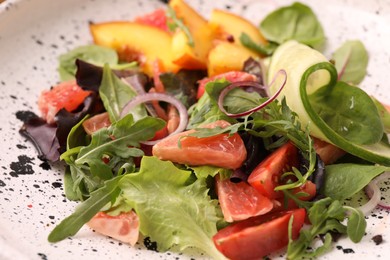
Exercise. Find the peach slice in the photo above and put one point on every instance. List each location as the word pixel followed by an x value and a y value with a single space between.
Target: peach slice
pixel 233 25
pixel 226 56
pixel 202 33
pixel 136 41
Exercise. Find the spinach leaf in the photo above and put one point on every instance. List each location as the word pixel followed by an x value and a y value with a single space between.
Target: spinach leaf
pixel 97 55
pixel 344 180
pixel 351 61
pixel 294 22
pixel 350 112
pixel 384 114
pixel 85 211
pixel 115 94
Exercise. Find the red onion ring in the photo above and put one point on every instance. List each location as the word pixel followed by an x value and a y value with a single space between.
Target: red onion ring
pixel 251 84
pixel 140 99
pixel 373 192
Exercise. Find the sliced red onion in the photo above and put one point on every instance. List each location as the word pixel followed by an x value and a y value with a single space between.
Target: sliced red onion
pixel 135 82
pixel 383 177
pixel 140 99
pixel 373 192
pixel 254 85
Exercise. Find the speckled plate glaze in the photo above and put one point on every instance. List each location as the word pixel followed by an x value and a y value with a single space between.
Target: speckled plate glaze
pixel 32 35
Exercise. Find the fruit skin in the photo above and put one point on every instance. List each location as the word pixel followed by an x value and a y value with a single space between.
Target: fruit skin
pixel 257 237
pixel 67 95
pixel 226 56
pixel 267 175
pixel 202 33
pixel 136 41
pixel 157 18
pixel 240 201
pixel 220 150
pixel 230 24
pixel 124 227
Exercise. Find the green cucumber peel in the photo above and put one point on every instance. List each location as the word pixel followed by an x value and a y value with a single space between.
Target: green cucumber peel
pixel 378 152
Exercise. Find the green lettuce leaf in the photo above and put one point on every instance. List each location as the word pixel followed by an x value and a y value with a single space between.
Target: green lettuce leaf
pixel 171 210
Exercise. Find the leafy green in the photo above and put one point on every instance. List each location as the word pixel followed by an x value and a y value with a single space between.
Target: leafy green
pixel 116 141
pixel 344 180
pixel 378 152
pixel 356 224
pixel 85 211
pixel 205 171
pixel 351 61
pixel 117 144
pixel 115 94
pixel 294 22
pixel 178 23
pixel 265 50
pixel 183 85
pixel 384 114
pixel 207 110
pixel 97 55
pixel 189 216
pixel 349 111
pixel 326 216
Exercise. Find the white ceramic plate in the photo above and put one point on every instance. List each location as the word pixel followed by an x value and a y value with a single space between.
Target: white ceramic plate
pixel 34 32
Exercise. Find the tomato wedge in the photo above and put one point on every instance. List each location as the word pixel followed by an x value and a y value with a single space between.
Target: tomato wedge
pixel 259 236
pixel 220 150
pixel 232 76
pixel 67 95
pixel 93 124
pixel 240 201
pixel 124 227
pixel 267 175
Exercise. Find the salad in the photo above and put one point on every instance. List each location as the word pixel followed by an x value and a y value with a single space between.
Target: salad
pixel 166 135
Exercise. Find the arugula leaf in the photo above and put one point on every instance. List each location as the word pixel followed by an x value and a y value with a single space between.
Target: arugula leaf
pixel 126 133
pixel 294 22
pixel 87 169
pixel 265 50
pixel 85 211
pixel 115 94
pixel 207 110
pixel 351 61
pixel 326 216
pixel 356 224
pixel 344 180
pixel 178 23
pixel 189 217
